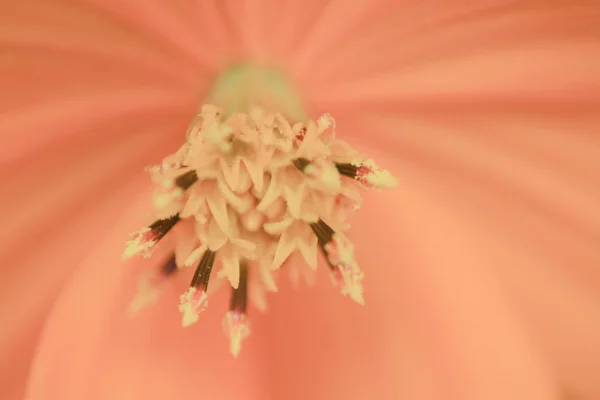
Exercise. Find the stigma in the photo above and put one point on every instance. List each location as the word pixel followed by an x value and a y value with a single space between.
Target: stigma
pixel 244 193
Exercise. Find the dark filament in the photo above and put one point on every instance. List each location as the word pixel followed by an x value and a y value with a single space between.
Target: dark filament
pixel 239 295
pixel 347 169
pixel 324 235
pixel 323 231
pixel 169 267
pixel 202 274
pixel 301 163
pixel 162 226
pixel 186 180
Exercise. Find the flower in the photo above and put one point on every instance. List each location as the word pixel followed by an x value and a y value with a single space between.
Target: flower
pixel 251 187
pixel 481 275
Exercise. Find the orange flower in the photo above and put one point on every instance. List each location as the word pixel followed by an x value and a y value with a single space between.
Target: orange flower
pixel 481 270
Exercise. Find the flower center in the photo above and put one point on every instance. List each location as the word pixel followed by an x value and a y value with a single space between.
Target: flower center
pixel 245 86
pixel 255 182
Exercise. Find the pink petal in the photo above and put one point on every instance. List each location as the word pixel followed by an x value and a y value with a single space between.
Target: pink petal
pixel 438 322
pixel 32 278
pixel 148 357
pixel 86 105
pixel 50 219
pixel 459 53
pixel 67 60
pixel 537 196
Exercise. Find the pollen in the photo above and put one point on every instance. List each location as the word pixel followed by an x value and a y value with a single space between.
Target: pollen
pixel 244 193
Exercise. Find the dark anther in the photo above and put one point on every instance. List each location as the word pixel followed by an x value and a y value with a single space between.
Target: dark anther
pixel 202 274
pixel 301 163
pixel 169 267
pixel 324 235
pixel 323 231
pixel 347 169
pixel 239 296
pixel 186 180
pixel 162 226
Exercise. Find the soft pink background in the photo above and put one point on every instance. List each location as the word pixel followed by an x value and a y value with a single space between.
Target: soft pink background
pixel 483 268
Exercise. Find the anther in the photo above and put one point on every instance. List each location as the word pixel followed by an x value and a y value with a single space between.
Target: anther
pixel 367 173
pixel 143 241
pixel 323 232
pixel 186 180
pixel 169 267
pixel 321 174
pixel 339 254
pixel 236 323
pixel 301 163
pixel 195 299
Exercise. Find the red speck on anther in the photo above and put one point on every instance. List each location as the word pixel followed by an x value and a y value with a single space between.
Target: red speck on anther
pixel 300 135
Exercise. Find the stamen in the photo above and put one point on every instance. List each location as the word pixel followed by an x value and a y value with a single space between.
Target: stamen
pixel 236 323
pixel 239 296
pixel 299 132
pixel 301 163
pixel 339 253
pixel 321 174
pixel 148 289
pixel 195 299
pixel 169 267
pixel 144 240
pixel 368 174
pixel 186 180
pixel 323 231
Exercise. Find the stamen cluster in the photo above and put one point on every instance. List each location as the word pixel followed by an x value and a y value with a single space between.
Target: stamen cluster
pixel 245 192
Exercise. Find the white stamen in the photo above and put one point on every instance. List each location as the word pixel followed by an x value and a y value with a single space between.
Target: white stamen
pixel 142 243
pixel 192 303
pixel 374 176
pixel 237 329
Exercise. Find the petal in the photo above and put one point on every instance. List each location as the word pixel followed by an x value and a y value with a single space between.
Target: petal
pixel 257 295
pixel 115 355
pixel 294 194
pixel 255 172
pixel 273 192
pixel 216 238
pixel 231 172
pixel 465 53
pixel 83 65
pixel 31 280
pixel 531 180
pixel 53 215
pixel 285 247
pixel 438 323
pixel 194 203
pixel 277 228
pixel 218 208
pixel 307 244
pixel 231 265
